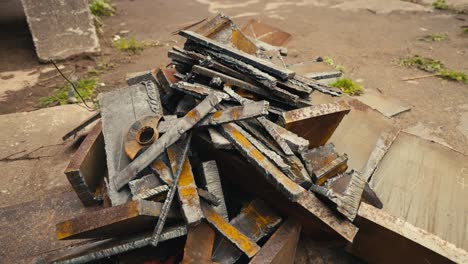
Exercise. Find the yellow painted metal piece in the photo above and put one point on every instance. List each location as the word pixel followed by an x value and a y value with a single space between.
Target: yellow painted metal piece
pixel 245 244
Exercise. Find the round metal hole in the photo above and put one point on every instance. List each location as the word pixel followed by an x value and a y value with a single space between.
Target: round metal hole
pixel 145 135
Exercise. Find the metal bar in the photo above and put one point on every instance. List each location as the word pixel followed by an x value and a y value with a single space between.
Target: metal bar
pixel 86 169
pixel 84 124
pixel 212 181
pixel 254 156
pixel 157 194
pixel 170 195
pixel 112 221
pixel 332 169
pixel 256 220
pixel 166 140
pixel 196 90
pixel 186 186
pixel 263 65
pixel 242 242
pixel 281 247
pixel 218 140
pixel 199 245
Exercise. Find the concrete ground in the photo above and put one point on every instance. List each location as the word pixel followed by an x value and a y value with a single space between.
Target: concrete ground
pixel 367 37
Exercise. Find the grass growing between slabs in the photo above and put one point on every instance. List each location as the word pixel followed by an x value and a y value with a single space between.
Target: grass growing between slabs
pixel 85 87
pixel 348 86
pixel 436 67
pixel 101 8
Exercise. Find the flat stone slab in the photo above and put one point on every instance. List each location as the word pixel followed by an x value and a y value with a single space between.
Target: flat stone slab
pixel 61 29
pixel 33 156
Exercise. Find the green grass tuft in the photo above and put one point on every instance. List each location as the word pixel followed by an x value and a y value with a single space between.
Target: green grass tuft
pixel 133 45
pixel 465 31
pixel 441 5
pixel 85 87
pixel 328 61
pixel 434 66
pixel 348 86
pixel 433 38
pixel 101 8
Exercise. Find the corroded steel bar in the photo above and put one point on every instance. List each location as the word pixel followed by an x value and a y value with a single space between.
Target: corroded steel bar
pixel 242 242
pixel 318 86
pixel 235 113
pixel 253 155
pixel 295 142
pixel 256 220
pixel 278 94
pixel 332 169
pixel 296 87
pixel 143 184
pixel 196 90
pixel 183 144
pixel 218 140
pixel 157 194
pixel 112 221
pixel 186 187
pixel 199 245
pixel 167 139
pixel 208 197
pixel 212 181
pixel 163 171
pixel 323 75
pixel 263 65
pixel 110 247
pixel 272 129
pixel 281 247
pixel 84 124
pixel 86 169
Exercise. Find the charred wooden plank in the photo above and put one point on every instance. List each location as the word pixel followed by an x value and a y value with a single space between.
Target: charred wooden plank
pixel 167 139
pixel 199 245
pixel 315 123
pixel 256 220
pixel 212 181
pixel 81 126
pixel 263 65
pixel 281 247
pixel 272 173
pixel 110 247
pixel 123 219
pixel 86 169
pixel 242 242
pixel 186 186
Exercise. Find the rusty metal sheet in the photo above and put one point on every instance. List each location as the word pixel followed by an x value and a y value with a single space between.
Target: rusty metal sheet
pixel 272 173
pixel 127 218
pixel 256 220
pixel 380 231
pixel 186 187
pixel 332 169
pixel 199 244
pixel 266 33
pixel 319 157
pixel 212 181
pixel 87 166
pixel 315 123
pixel 281 247
pixel 242 242
pixel 169 138
pixel 97 250
pixel 263 65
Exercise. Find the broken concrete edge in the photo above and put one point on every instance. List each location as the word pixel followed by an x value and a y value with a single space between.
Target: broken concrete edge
pixel 413 233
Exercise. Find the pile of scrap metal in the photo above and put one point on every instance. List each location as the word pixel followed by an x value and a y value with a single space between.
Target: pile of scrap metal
pixel 220 153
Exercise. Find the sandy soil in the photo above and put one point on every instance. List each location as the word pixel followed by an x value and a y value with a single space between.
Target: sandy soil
pixel 366 37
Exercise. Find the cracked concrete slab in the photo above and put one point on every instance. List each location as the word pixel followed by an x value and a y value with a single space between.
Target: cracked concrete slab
pixel 61 29
pixel 32 154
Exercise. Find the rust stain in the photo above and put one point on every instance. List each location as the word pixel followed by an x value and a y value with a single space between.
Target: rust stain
pixel 193 115
pixel 217 114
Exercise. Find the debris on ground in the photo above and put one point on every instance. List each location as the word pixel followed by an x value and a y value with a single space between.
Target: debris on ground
pixel 222 153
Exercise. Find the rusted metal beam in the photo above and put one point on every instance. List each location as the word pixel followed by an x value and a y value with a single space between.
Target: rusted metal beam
pixel 157 194
pixel 81 126
pixel 218 140
pixel 110 247
pixel 256 220
pixel 144 184
pixel 167 139
pixel 162 170
pixel 196 90
pixel 315 123
pixel 235 113
pixel 123 219
pixel 242 242
pixel 282 245
pixel 86 169
pixel 208 197
pixel 317 86
pixel 332 169
pixel 319 157
pixel 272 173
pixel 186 187
pixel 199 244
pixel 212 181
pixel 263 65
